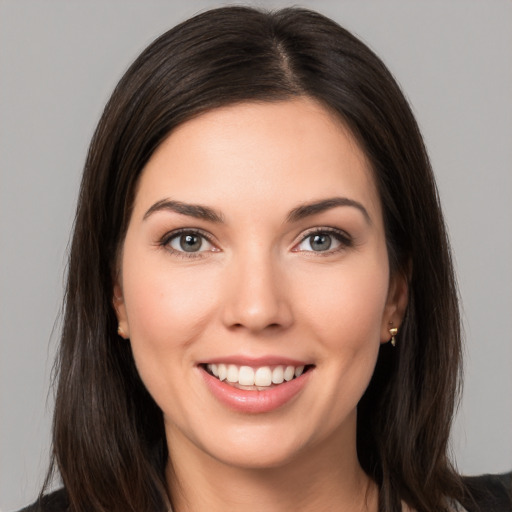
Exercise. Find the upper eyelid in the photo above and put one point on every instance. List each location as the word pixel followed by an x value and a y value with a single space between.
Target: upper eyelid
pixel 196 231
pixel 324 229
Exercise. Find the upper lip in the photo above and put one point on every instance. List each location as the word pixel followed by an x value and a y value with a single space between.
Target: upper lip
pixel 270 360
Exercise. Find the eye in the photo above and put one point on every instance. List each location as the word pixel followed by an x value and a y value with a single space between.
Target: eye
pixel 188 243
pixel 324 241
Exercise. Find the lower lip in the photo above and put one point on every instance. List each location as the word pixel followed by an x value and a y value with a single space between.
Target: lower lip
pixel 254 401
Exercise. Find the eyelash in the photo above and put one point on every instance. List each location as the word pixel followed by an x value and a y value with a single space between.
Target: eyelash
pixel 342 237
pixel 168 237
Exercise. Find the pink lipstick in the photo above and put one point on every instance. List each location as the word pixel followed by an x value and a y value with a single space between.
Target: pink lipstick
pixel 253 387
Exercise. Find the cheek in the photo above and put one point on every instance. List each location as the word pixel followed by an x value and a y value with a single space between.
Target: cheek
pixel 345 306
pixel 341 311
pixel 167 309
pixel 167 304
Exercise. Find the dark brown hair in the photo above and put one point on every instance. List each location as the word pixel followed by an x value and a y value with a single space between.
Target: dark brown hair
pixel 109 441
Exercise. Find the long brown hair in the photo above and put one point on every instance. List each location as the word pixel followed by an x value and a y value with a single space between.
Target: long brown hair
pixel 108 436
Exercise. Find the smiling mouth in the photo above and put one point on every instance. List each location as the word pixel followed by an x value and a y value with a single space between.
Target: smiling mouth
pixel 259 378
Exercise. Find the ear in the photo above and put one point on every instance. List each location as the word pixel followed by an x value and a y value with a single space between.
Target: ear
pixel 120 309
pixel 396 304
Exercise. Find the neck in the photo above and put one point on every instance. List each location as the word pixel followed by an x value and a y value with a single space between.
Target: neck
pixel 321 479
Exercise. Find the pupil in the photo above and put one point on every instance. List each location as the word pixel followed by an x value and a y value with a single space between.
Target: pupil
pixel 321 242
pixel 190 243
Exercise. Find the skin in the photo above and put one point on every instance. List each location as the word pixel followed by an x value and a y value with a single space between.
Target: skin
pixel 258 289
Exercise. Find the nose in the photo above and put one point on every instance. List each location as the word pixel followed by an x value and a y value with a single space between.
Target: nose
pixel 257 298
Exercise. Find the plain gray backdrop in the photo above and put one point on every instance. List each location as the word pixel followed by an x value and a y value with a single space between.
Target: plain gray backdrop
pixel 59 60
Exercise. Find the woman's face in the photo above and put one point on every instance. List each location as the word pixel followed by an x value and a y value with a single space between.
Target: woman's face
pixel 256 251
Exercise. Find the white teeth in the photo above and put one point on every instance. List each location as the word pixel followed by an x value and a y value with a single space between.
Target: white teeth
pixel 278 375
pixel 233 372
pixel 263 376
pixel 246 376
pixel 298 371
pixel 222 372
pixel 289 373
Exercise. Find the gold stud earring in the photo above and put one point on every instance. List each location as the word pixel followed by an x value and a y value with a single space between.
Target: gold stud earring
pixel 393 331
pixel 120 331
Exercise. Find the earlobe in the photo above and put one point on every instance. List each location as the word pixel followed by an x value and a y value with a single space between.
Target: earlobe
pixel 396 305
pixel 120 309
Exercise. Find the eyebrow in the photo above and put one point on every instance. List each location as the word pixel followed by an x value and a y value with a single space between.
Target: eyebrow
pixel 300 212
pixel 192 210
pixel 308 209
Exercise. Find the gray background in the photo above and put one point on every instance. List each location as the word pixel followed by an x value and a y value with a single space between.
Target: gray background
pixel 59 61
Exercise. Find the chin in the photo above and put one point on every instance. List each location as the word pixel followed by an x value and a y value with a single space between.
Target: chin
pixel 243 445
pixel 262 446
pixel 252 456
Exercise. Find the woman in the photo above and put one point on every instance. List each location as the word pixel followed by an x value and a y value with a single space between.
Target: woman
pixel 261 310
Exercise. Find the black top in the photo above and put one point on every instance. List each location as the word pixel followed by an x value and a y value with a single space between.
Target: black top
pixel 489 493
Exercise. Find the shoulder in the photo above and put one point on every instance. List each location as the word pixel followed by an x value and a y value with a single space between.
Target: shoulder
pixel 489 493
pixel 56 501
pixel 486 493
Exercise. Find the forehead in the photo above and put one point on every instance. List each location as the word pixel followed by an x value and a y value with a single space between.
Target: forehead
pixel 259 156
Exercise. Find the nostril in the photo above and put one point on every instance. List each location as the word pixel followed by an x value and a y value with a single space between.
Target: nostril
pixel 273 326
